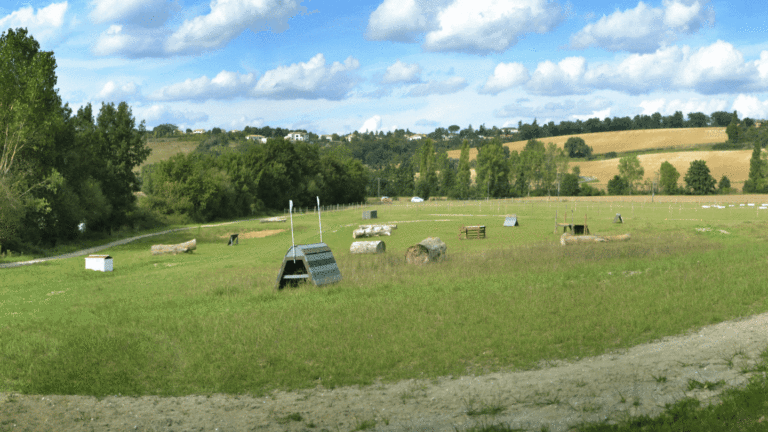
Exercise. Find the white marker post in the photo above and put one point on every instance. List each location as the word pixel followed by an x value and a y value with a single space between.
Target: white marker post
pixel 319 220
pixel 293 245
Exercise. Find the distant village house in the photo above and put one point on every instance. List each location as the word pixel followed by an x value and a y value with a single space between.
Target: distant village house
pixel 260 138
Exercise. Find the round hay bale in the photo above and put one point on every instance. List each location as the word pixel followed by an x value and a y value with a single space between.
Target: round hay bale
pixel 428 250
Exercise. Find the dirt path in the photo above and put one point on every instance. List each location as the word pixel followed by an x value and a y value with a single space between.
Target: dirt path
pixel 637 381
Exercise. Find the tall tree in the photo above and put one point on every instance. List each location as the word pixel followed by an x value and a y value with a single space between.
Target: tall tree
pixel 492 170
pixel 427 185
pixel 577 148
pixel 631 171
pixel 698 180
pixel 668 178
pixel 733 129
pixel 697 119
pixel 463 178
pixel 756 181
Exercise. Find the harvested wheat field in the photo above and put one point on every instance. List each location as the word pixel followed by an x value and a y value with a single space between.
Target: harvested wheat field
pixel 731 163
pixel 624 141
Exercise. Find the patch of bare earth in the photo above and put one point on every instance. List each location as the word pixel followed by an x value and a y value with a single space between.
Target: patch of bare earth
pixel 255 234
pixel 561 394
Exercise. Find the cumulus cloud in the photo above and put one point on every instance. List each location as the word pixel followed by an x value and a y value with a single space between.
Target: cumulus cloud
pixel 45 24
pixel 599 114
pixel 472 26
pixel 505 76
pixel 373 124
pixel 113 91
pixel 159 114
pixel 145 13
pixel 713 69
pixel 668 107
pixel 448 86
pixel 565 77
pixel 310 80
pixel 130 42
pixel 137 34
pixel 750 106
pixel 225 85
pixel 229 18
pixel 644 29
pixel 400 72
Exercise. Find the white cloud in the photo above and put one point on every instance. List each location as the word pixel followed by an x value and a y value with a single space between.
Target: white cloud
pixel 485 26
pixel 44 25
pixel 134 42
pixel 145 13
pixel 644 29
pixel 448 86
pixel 599 114
pixel 373 124
pixel 229 18
pixel 565 77
pixel 505 76
pixel 159 114
pixel 401 72
pixel 664 107
pixel 713 69
pixel 225 85
pixel 310 80
pixel 116 92
pixel 750 106
pixel 397 20
pixel 561 108
pixel 473 26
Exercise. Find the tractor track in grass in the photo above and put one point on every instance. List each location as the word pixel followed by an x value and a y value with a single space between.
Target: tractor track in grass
pixel 559 395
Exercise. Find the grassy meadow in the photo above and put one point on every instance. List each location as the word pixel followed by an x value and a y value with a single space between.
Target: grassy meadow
pixel 164 148
pixel 212 321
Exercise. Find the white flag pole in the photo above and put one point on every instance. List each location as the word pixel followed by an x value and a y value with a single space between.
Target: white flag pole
pixel 320 221
pixel 293 244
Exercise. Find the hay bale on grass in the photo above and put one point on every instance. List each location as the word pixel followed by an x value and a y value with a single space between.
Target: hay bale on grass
pixel 175 249
pixel 428 250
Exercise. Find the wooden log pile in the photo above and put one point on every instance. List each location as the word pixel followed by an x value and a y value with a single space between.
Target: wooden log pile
pixel 567 238
pixel 373 231
pixel 274 219
pixel 428 250
pixel 368 247
pixel 175 249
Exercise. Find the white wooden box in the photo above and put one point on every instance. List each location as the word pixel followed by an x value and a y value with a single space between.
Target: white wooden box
pixel 99 263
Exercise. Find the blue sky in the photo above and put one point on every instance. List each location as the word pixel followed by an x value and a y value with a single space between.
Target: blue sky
pixel 340 66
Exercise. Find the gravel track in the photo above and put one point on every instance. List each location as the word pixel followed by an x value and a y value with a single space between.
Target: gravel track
pixel 559 395
pixel 110 245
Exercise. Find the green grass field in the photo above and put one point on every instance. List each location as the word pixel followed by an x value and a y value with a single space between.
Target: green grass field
pixel 212 322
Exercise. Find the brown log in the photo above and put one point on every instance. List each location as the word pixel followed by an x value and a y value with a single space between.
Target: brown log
pixel 372 231
pixel 368 247
pixel 175 249
pixel 428 250
pixel 567 238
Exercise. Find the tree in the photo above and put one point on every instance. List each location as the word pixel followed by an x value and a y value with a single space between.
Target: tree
pixel 733 129
pixel 463 178
pixel 569 185
pixel 492 170
pixel 454 128
pixel 721 118
pixel 120 148
pixel 757 171
pixel 577 148
pixel 427 185
pixel 163 130
pixel 618 186
pixel 724 187
pixel 631 171
pixel 698 180
pixel 668 178
pixel 697 119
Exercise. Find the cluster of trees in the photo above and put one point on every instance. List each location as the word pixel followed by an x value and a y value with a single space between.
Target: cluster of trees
pixel 653 121
pixel 58 169
pixel 698 180
pixel 251 178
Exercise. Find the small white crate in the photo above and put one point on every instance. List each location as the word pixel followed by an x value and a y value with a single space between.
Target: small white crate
pixel 101 263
